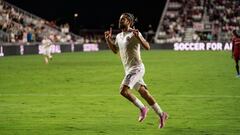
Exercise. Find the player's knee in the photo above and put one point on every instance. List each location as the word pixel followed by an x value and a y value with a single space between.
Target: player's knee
pixel 124 91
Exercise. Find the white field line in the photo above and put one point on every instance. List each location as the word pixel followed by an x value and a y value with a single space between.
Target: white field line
pixel 102 95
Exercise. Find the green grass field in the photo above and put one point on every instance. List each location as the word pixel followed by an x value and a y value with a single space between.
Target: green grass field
pixel 78 94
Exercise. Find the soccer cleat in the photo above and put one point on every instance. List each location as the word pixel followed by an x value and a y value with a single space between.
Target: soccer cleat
pixel 238 76
pixel 163 119
pixel 143 114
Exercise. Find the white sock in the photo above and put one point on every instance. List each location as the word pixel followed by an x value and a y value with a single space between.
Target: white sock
pixel 138 103
pixel 157 109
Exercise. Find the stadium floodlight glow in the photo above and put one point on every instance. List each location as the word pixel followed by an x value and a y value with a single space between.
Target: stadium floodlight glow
pixel 76 15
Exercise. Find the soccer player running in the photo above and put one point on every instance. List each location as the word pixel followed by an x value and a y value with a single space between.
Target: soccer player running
pixel 128 43
pixel 236 50
pixel 46 45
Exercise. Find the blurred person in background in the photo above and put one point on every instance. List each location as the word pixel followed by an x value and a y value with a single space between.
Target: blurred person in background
pixel 236 50
pixel 46 45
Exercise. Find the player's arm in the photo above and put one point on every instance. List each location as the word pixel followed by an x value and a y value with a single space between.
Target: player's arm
pixel 232 48
pixel 110 42
pixel 144 43
pixel 141 39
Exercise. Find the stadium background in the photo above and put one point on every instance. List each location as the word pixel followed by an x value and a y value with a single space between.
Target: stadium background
pixel 78 94
pixel 165 23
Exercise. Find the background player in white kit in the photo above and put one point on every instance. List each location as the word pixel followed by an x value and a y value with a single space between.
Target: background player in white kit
pixel 128 43
pixel 46 46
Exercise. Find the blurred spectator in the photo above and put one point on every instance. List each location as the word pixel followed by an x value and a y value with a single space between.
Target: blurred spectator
pixel 23 27
pixel 216 16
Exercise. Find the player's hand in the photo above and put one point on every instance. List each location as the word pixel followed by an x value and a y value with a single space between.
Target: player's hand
pixel 135 32
pixel 108 34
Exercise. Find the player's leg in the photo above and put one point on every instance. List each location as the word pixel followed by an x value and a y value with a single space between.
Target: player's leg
pixel 146 95
pixel 46 59
pixel 49 57
pixel 49 53
pixel 128 82
pixel 237 67
pixel 125 92
pixel 150 99
pixel 45 55
pixel 155 106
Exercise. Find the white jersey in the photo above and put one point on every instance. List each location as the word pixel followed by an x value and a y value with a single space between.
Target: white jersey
pixel 46 43
pixel 129 49
pixel 46 47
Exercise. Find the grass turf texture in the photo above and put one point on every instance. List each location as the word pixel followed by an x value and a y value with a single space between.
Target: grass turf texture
pixel 78 93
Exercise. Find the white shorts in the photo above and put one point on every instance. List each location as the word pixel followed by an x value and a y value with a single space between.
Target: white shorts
pixel 134 77
pixel 47 51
